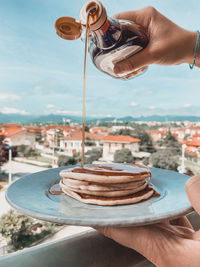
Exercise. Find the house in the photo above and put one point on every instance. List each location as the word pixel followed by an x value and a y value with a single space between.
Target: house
pixel 16 135
pixel 39 132
pixel 72 143
pixel 193 130
pixel 99 130
pixel 54 133
pixel 112 143
pixel 188 132
pixel 158 135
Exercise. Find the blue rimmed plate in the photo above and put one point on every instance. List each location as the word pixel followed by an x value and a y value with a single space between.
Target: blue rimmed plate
pixel 30 195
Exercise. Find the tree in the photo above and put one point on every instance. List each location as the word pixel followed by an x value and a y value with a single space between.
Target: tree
pixel 87 128
pixel 171 143
pixel 89 142
pixel 64 160
pixel 123 155
pixel 164 159
pixel 27 151
pixel 146 143
pixel 92 155
pixel 4 152
pixel 17 229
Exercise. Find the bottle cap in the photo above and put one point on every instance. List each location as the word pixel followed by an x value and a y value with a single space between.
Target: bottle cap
pixel 98 15
pixel 68 28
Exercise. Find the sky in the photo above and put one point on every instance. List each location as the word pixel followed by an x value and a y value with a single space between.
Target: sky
pixel 40 73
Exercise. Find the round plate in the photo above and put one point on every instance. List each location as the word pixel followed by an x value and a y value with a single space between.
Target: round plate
pixel 30 195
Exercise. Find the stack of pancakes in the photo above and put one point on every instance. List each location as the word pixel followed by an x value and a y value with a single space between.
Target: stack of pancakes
pixel 107 184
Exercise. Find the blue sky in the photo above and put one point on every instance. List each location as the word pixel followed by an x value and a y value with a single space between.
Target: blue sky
pixel 41 73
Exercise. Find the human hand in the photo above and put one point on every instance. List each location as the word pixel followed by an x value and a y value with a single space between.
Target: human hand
pixel 164 244
pixel 169 44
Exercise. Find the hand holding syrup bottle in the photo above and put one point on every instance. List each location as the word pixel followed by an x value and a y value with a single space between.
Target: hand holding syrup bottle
pixel 110 40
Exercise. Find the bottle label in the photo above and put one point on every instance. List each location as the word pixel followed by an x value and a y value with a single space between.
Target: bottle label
pixel 106 62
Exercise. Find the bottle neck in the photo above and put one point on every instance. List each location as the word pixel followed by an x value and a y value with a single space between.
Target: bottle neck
pixel 108 34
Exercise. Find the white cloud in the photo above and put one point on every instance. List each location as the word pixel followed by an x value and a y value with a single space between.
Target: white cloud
pixel 10 97
pixel 50 106
pixel 68 112
pixel 8 110
pixel 52 109
pixel 187 105
pixel 109 116
pixel 151 107
pixel 134 104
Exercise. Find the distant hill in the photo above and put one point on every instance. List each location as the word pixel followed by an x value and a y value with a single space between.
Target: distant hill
pixel 17 118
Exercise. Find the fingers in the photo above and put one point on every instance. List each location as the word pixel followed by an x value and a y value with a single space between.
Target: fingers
pixel 141 17
pixel 192 188
pixel 179 231
pixel 182 221
pixel 137 61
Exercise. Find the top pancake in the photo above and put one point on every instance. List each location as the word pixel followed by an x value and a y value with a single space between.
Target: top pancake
pixel 107 173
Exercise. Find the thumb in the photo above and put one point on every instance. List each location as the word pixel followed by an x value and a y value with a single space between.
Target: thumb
pixel 135 62
pixel 192 188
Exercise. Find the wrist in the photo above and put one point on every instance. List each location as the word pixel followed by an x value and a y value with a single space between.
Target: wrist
pixel 190 45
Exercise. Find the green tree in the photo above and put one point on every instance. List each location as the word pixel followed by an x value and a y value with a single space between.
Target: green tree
pixel 89 142
pixel 12 225
pixel 164 159
pixel 146 143
pixel 171 143
pixel 27 151
pixel 123 155
pixel 92 155
pixel 17 229
pixel 4 152
pixel 87 128
pixel 125 131
pixel 66 160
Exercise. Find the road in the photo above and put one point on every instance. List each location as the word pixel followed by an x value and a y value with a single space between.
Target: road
pixel 18 170
pixel 21 169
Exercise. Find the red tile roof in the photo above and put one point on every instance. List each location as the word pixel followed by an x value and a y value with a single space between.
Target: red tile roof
pixel 10 125
pixel 34 128
pixel 194 127
pixel 77 135
pixel 62 127
pixel 11 131
pixel 181 129
pixel 196 135
pixel 121 139
pixel 192 143
pixel 99 129
pixel 95 136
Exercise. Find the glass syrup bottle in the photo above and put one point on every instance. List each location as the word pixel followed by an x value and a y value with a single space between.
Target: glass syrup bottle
pixel 110 41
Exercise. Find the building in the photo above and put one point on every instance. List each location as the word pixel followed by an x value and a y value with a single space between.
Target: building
pixel 112 143
pixel 16 135
pixel 72 143
pixel 158 135
pixel 99 130
pixel 53 133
